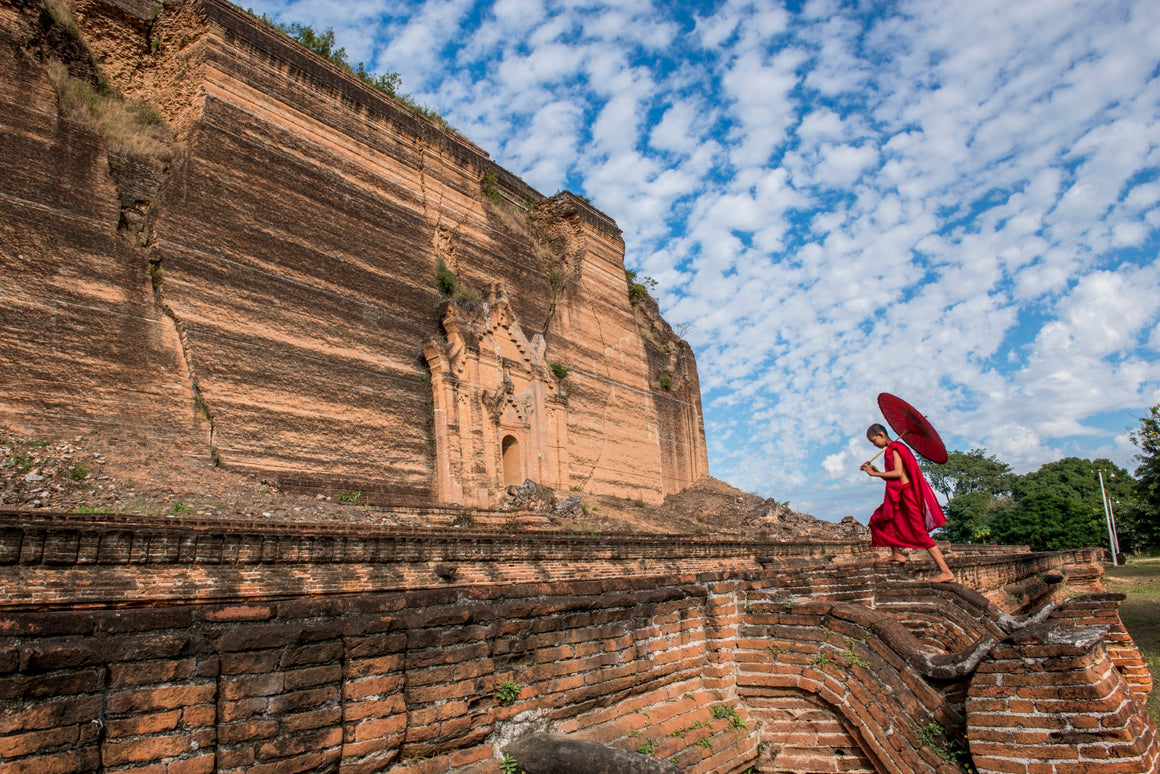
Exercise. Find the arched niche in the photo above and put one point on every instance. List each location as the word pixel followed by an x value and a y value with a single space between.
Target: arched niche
pixel 513 472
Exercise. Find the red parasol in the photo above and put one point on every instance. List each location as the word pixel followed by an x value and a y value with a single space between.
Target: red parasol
pixel 912 427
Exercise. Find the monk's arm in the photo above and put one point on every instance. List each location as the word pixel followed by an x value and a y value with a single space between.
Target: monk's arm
pixel 898 472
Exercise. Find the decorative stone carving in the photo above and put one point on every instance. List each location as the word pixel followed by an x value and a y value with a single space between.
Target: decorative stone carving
pixel 499 418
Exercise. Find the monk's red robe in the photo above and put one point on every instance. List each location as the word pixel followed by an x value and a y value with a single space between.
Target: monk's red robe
pixel 909 512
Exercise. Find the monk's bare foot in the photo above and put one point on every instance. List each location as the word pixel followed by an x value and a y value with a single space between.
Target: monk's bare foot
pixel 943 577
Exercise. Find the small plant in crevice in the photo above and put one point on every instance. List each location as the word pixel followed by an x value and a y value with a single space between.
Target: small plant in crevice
pixel 507 692
pixel 666 381
pixel 509 765
pixel 491 188
pixel 444 279
pixel 851 656
pixel 558 369
pixel 820 660
pixel 349 497
pixel 934 735
pixel 638 290
pixel 723 711
pixel 22 460
pixel 78 472
pixel 647 747
pixel 705 742
pixel 201 406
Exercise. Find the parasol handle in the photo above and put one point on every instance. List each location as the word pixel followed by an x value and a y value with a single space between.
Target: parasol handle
pixel 883 449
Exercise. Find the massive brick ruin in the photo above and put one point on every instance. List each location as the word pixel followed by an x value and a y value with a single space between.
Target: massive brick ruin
pixel 264 289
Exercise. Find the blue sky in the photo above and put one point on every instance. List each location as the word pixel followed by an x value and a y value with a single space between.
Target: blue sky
pixel 955 202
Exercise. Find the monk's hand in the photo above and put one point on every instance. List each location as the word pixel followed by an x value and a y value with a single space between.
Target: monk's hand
pixel 869 469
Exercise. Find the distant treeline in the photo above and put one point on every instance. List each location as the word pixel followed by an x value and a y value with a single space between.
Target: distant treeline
pixel 1062 505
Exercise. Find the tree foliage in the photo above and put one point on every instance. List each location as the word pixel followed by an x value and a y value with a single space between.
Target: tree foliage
pixel 973 483
pixel 321 43
pixel 968 517
pixel 1049 521
pixel 966 472
pixel 1139 519
pixel 1059 506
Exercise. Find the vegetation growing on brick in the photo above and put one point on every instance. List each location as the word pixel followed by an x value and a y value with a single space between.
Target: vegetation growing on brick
pixel 326 46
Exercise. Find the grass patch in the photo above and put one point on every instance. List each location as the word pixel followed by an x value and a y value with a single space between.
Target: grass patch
pixel 22 460
pixel 127 126
pixel 1139 579
pixel 179 509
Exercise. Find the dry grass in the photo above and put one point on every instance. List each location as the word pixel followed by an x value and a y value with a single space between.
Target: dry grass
pixel 62 15
pixel 127 127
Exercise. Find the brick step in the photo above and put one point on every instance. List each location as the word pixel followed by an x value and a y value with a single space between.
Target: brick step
pixel 732 749
pixel 675 729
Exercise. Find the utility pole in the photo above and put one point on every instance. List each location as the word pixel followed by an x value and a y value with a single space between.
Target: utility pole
pixel 1112 542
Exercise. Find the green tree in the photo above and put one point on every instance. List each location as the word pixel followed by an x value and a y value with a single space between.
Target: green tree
pixel 1061 505
pixel 322 43
pixel 1050 521
pixel 1078 478
pixel 973 483
pixel 1139 519
pixel 967 518
pixel 966 472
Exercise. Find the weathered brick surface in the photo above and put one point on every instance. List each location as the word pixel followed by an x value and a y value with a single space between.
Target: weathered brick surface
pixel 1052 695
pixel 280 324
pixel 824 668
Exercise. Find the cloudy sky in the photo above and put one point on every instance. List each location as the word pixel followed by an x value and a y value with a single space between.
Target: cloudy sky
pixel 955 201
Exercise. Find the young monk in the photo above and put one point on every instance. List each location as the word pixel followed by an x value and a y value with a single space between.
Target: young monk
pixel 909 510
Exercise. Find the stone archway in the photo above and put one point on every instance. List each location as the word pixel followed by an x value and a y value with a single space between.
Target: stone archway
pixel 513 471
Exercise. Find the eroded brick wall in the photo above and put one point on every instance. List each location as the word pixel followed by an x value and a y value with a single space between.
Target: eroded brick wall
pixel 1051 699
pixel 343 650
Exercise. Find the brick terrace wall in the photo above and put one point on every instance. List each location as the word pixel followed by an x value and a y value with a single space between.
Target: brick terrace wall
pixel 1051 700
pixel 177 647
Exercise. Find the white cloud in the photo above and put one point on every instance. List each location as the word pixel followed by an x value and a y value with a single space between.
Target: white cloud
pixel 957 204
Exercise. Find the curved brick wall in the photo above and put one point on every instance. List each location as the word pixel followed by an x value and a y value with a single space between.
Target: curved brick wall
pixel 357 649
